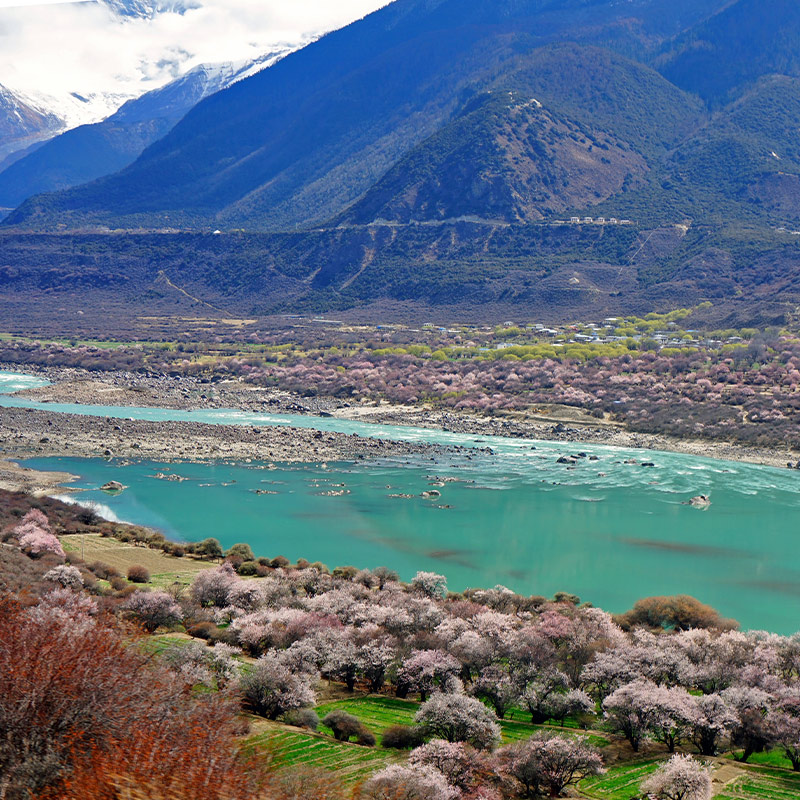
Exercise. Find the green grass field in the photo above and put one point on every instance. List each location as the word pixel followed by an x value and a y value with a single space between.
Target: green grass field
pixel 378 713
pixel 762 784
pixel 351 762
pixel 619 783
pixel 770 758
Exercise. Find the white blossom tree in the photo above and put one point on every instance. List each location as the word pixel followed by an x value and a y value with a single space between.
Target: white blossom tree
pixel 540 689
pixel 424 670
pixel 784 720
pixel 681 778
pixel 635 711
pixel 495 685
pixel 458 762
pixel 270 688
pixel 545 765
pixel 751 731
pixel 212 586
pixel 65 575
pixel 430 584
pixel 153 609
pixel 712 720
pixel 457 718
pixel 400 782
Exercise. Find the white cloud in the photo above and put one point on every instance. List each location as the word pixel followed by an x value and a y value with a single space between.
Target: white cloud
pixel 20 3
pixel 60 47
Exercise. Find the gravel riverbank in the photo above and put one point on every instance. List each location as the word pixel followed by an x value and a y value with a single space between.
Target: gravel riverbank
pixel 193 441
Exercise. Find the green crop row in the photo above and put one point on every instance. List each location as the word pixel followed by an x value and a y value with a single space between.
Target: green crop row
pixel 378 713
pixel 351 762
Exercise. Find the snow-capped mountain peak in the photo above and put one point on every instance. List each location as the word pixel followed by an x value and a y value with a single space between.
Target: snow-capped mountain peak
pixel 147 9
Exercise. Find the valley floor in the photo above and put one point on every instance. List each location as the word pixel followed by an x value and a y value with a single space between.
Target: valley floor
pixel 26 433
pixel 39 433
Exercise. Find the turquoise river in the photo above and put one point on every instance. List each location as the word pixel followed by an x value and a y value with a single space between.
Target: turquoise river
pixel 608 531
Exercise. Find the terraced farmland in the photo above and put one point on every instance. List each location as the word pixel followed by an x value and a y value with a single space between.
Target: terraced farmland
pixel 378 713
pixel 351 762
pixel 762 784
pixel 619 783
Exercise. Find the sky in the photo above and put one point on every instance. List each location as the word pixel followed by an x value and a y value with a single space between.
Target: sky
pixel 62 47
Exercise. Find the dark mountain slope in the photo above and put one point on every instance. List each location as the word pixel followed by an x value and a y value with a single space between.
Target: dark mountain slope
pixel 608 92
pixel 465 271
pixel 743 42
pixel 506 158
pixel 300 142
pixel 743 165
pixel 566 127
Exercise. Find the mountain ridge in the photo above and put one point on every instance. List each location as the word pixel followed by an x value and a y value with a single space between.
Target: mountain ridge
pixel 479 160
pixel 297 146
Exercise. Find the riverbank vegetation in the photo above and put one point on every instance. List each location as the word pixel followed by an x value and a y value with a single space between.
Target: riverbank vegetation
pixel 647 374
pixel 301 681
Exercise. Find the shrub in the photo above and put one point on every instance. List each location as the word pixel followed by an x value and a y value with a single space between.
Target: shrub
pixel 138 574
pixel 384 575
pixel 104 571
pixel 248 568
pixel 365 737
pixel 87 517
pixel 402 737
pixel 345 573
pixel 210 548
pixel 343 725
pixel 279 562
pixel 84 714
pixel 679 612
pixel 118 583
pixel 242 551
pixel 302 718
pixel 224 636
pixel 235 561
pixel 202 630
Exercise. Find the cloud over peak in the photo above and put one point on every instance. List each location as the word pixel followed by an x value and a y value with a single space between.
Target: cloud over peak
pixel 126 47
